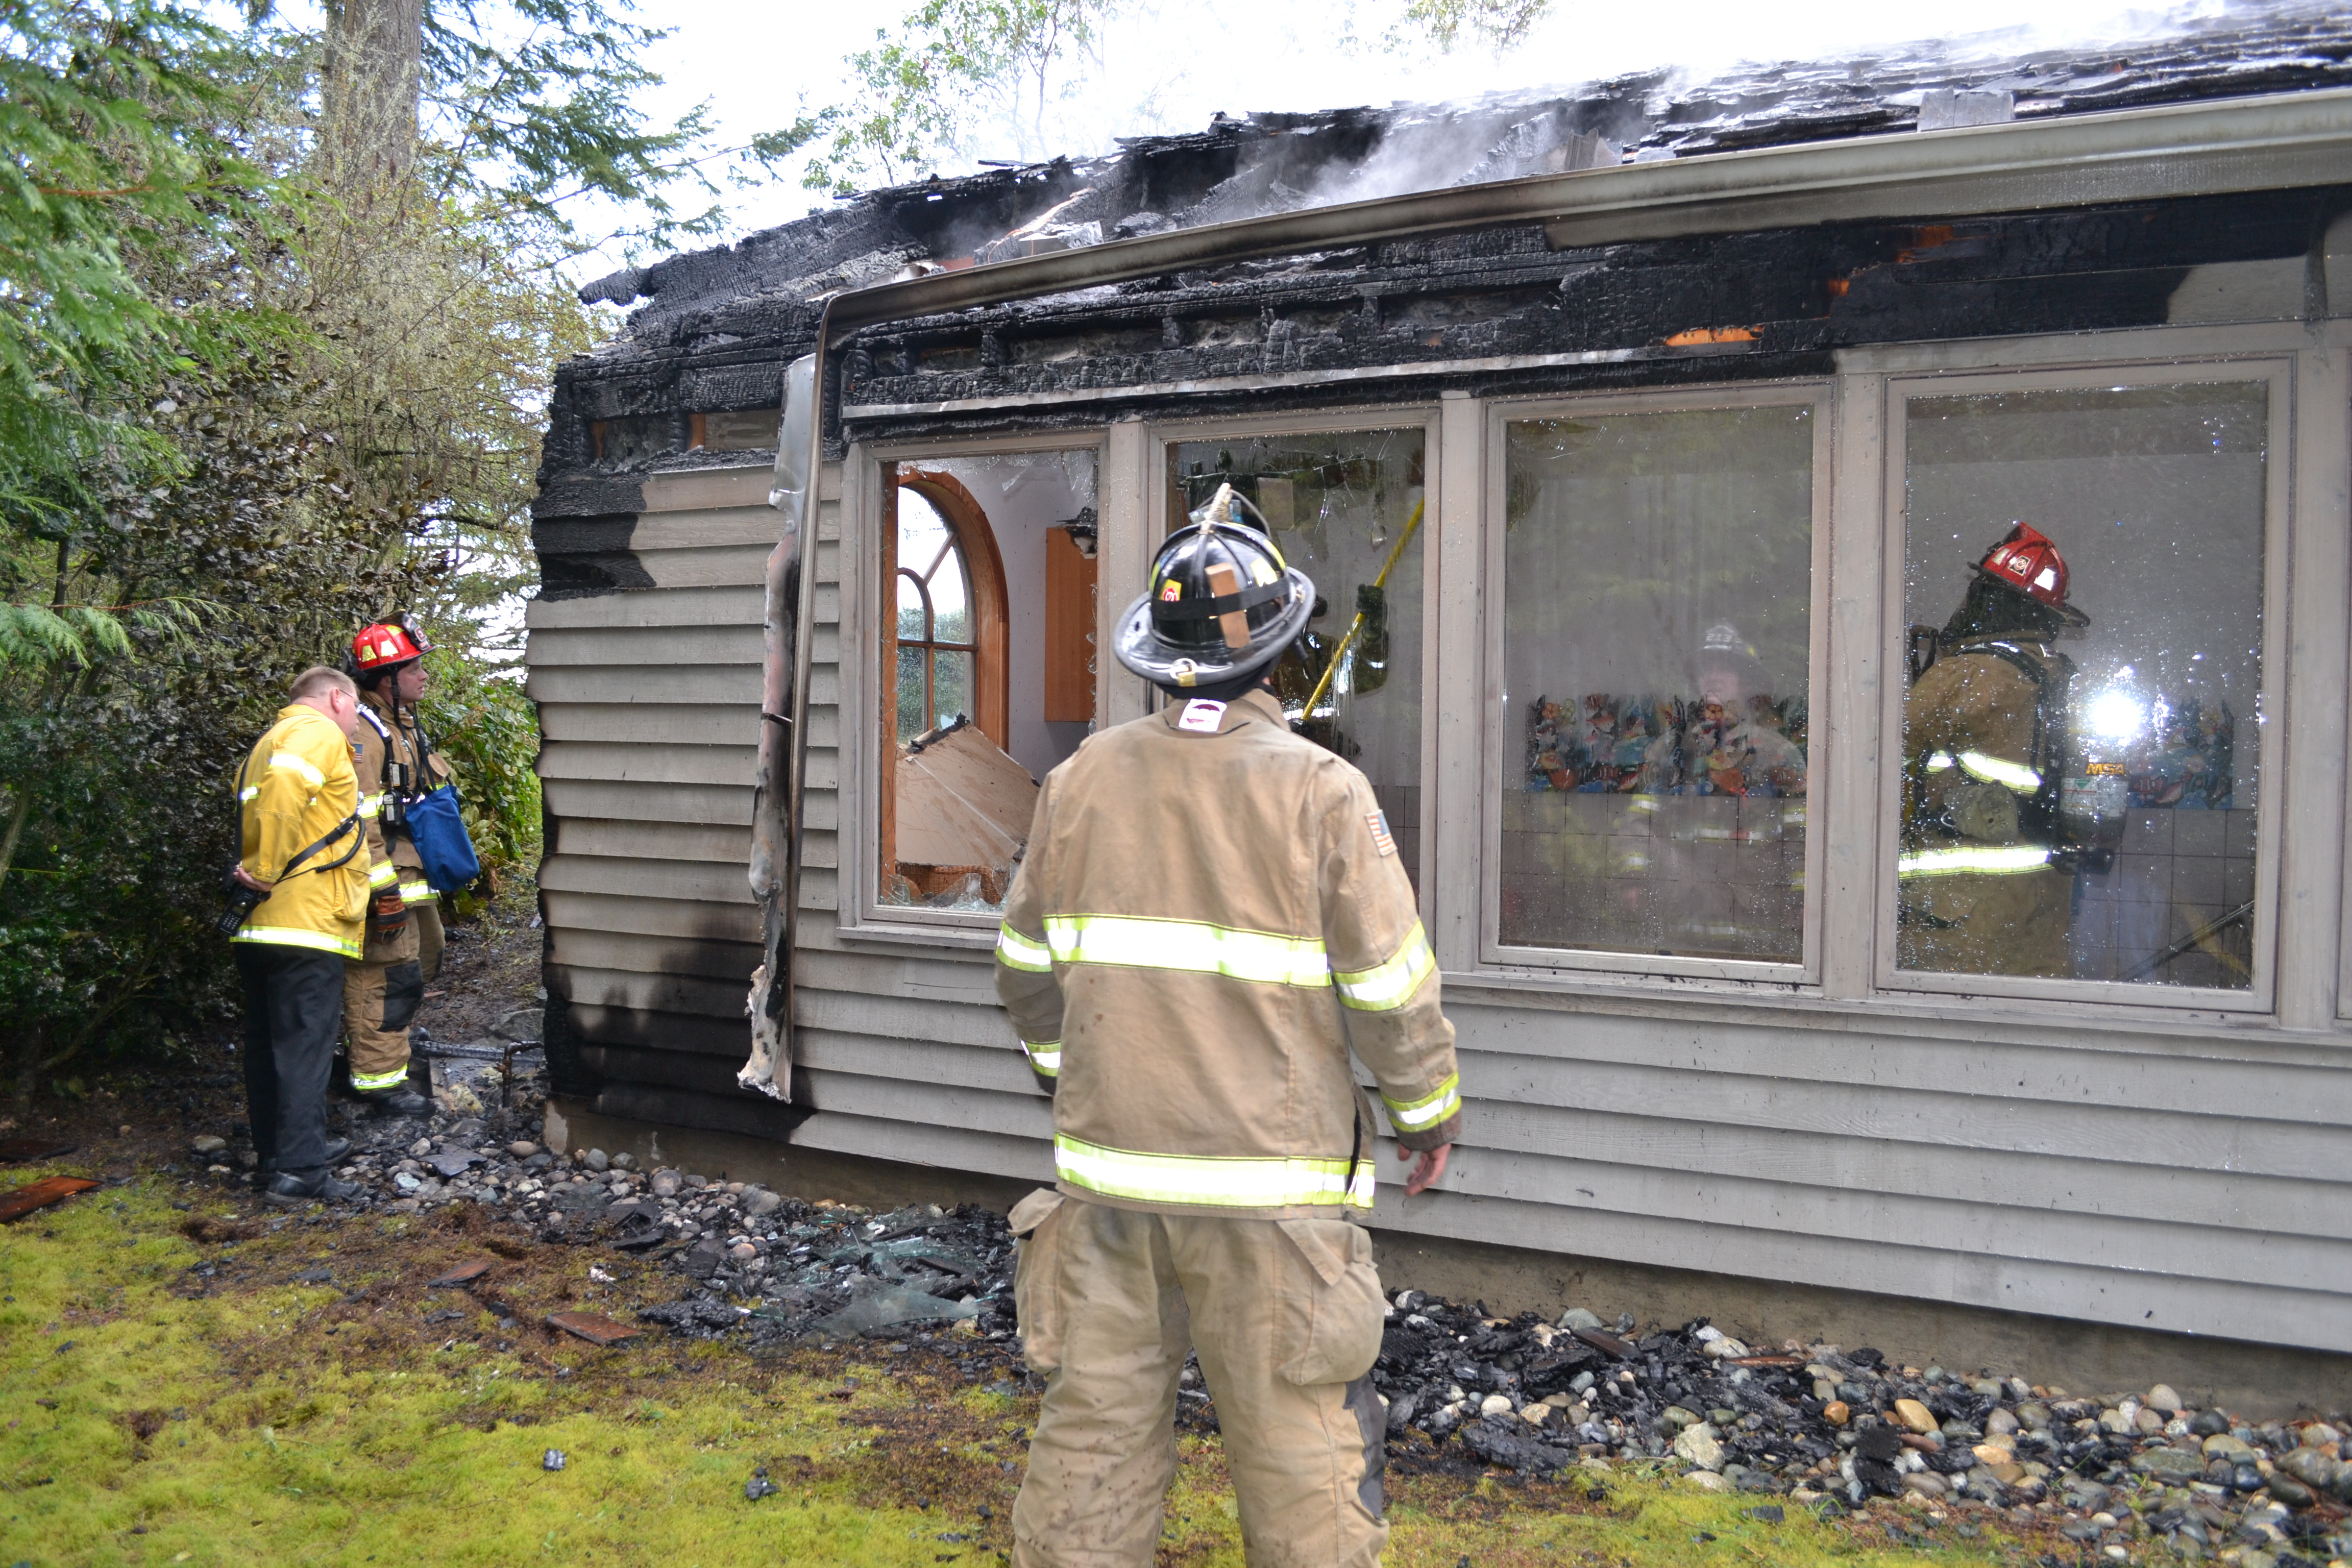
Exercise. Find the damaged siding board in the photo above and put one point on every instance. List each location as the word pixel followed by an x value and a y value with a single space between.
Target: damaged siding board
pixel 578 798
pixel 649 703
pixel 651 917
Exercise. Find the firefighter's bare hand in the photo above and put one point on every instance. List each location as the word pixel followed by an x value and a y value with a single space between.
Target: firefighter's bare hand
pixel 250 880
pixel 1428 1165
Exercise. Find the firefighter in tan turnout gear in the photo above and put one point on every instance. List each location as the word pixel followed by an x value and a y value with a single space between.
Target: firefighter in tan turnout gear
pixel 1208 916
pixel 1984 875
pixel 396 764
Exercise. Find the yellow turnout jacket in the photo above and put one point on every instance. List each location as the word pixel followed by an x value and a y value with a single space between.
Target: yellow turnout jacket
pixel 296 786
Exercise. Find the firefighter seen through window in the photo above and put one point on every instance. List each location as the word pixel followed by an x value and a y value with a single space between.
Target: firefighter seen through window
pixel 2080 748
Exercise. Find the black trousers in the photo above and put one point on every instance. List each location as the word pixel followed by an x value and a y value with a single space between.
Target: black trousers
pixel 293 1015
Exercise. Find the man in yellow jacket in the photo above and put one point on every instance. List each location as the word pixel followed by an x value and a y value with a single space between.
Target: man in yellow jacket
pixel 1208 916
pixel 303 846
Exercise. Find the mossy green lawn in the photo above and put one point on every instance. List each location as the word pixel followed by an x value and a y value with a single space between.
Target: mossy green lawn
pixel 158 1414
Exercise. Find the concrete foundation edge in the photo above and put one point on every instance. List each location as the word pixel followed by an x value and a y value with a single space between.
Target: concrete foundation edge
pixel 2249 1379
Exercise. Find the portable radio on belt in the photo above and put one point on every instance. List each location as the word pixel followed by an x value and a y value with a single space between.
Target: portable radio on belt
pixel 399 778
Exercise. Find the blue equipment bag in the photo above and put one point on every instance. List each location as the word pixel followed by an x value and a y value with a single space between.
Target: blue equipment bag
pixel 442 841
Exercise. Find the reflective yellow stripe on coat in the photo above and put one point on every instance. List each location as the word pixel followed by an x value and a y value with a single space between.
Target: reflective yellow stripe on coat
pixel 368 1083
pixel 1985 860
pixel 1135 942
pixel 1420 1113
pixel 1209 1182
pixel 1046 1056
pixel 1017 952
pixel 1385 987
pixel 294 936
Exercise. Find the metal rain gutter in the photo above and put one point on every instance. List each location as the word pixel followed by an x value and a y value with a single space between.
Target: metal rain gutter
pixel 2276 143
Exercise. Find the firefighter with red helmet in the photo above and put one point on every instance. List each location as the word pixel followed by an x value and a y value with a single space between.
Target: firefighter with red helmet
pixel 396 764
pixel 1209 919
pixel 1985 874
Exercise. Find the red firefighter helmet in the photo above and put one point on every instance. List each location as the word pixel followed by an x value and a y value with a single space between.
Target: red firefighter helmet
pixel 388 643
pixel 2027 563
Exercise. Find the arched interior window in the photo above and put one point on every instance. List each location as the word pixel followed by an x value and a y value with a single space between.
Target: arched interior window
pixel 938 646
pixel 946 609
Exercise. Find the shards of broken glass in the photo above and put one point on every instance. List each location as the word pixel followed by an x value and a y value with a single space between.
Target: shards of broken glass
pixel 888 1307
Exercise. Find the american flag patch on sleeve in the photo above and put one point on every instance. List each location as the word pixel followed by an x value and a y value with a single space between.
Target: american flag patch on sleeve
pixel 1381 839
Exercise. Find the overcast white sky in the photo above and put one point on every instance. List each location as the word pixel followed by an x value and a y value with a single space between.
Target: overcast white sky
pixel 1167 65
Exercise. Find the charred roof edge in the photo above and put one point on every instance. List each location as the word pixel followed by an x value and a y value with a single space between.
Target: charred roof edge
pixel 2277 142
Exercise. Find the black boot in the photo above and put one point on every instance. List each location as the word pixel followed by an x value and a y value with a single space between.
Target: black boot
pixel 292 1189
pixel 336 1148
pixel 403 1100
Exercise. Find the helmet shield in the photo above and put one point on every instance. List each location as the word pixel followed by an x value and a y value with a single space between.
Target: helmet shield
pixel 1222 603
pixel 387 645
pixel 2026 561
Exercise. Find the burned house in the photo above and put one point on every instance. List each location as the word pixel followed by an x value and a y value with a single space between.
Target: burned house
pixel 1644 442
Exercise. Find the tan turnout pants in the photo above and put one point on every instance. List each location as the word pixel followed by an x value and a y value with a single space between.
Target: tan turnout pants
pixel 380 998
pixel 1287 1315
pixel 425 916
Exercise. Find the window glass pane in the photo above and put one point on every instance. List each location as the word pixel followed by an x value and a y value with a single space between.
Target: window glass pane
pixel 950 600
pixel 2081 732
pixel 922 532
pixel 950 687
pixel 911 628
pixel 1657 572
pixel 1346 509
pixel 912 704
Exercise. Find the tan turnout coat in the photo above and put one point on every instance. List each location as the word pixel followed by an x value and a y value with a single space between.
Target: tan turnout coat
pixel 1208 916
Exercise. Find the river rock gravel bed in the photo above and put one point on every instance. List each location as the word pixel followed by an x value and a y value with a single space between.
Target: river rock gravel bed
pixel 2122 1475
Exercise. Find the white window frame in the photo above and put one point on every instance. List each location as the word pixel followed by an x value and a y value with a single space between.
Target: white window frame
pixel 1161 436
pixel 863 915
pixel 2277 374
pixel 1499 710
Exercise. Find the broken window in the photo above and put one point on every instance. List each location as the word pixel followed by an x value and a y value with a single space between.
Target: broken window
pixel 1346 508
pixel 1655 650
pixel 988 662
pixel 2084 588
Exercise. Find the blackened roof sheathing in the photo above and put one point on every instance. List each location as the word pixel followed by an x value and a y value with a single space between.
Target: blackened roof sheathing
pixel 760 289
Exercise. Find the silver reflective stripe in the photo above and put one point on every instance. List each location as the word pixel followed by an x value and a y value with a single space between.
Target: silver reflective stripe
pixel 248 791
pixel 310 774
pixel 1427 1113
pixel 1989 768
pixel 1046 1056
pixel 1207 1181
pixel 370 806
pixel 1387 986
pixel 1195 945
pixel 1986 861
pixel 1017 952
pixel 417 893
pixel 381 873
pixel 368 1083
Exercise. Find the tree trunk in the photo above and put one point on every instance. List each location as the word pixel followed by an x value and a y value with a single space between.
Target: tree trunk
pixel 374 76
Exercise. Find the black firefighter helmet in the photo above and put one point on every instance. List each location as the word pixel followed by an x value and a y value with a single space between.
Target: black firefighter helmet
pixel 1222 606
